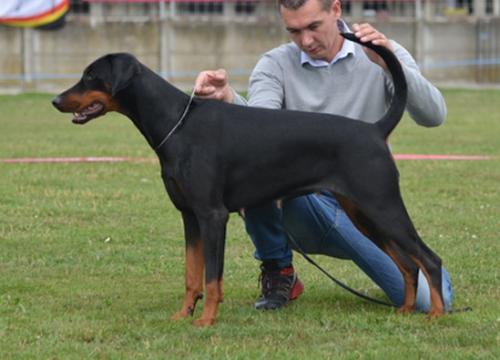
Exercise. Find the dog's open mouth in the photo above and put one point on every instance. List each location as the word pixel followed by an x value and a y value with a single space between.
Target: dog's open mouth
pixel 92 111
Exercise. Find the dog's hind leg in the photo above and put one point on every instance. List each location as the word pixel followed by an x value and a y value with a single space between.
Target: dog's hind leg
pixel 387 224
pixel 213 233
pixel 194 266
pixel 405 240
pixel 409 271
pixel 431 266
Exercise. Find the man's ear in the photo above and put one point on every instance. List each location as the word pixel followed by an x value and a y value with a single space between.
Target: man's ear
pixel 123 69
pixel 337 8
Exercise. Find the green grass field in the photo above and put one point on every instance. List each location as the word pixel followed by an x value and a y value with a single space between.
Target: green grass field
pixel 91 255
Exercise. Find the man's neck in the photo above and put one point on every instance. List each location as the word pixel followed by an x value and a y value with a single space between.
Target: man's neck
pixel 345 49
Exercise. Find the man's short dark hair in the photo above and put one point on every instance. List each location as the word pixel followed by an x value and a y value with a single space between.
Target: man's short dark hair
pixel 295 4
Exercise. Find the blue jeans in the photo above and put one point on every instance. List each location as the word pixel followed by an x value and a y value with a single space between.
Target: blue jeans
pixel 318 225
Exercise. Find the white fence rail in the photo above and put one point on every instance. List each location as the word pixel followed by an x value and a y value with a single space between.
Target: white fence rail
pixel 453 48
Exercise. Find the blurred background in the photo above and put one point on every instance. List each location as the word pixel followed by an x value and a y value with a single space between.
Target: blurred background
pixel 45 44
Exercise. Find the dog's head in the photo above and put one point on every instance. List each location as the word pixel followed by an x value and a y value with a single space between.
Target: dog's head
pixel 94 95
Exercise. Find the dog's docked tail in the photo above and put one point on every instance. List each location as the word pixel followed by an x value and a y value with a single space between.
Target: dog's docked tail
pixel 398 103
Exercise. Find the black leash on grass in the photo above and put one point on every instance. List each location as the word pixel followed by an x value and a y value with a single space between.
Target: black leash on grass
pixel 336 281
pixel 351 290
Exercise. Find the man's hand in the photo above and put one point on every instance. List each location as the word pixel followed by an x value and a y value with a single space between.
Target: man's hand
pixel 368 33
pixel 213 84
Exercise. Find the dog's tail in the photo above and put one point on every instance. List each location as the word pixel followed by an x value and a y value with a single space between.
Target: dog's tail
pixel 398 103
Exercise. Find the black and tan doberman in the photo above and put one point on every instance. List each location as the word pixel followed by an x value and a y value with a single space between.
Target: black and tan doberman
pixel 225 157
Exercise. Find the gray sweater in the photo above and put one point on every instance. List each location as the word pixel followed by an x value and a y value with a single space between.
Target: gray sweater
pixel 353 86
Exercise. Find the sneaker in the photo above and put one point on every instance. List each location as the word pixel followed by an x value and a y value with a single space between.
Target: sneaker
pixel 279 286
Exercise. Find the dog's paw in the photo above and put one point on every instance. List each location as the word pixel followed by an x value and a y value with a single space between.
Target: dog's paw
pixel 433 314
pixel 204 322
pixel 182 314
pixel 406 309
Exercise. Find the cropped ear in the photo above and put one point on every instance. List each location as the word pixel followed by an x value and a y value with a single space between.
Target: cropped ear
pixel 123 69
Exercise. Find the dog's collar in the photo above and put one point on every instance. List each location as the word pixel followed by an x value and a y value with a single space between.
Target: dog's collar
pixel 178 123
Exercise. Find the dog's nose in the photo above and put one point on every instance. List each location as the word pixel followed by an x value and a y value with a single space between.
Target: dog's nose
pixel 56 102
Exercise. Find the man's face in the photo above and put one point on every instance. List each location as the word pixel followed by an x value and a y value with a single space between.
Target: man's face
pixel 314 29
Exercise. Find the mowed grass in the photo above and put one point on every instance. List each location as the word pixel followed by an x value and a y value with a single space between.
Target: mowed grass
pixel 91 255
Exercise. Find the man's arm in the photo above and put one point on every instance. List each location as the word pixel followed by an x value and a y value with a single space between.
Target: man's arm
pixel 265 86
pixel 425 104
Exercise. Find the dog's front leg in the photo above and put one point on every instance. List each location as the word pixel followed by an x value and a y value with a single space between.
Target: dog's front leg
pixel 195 263
pixel 213 232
